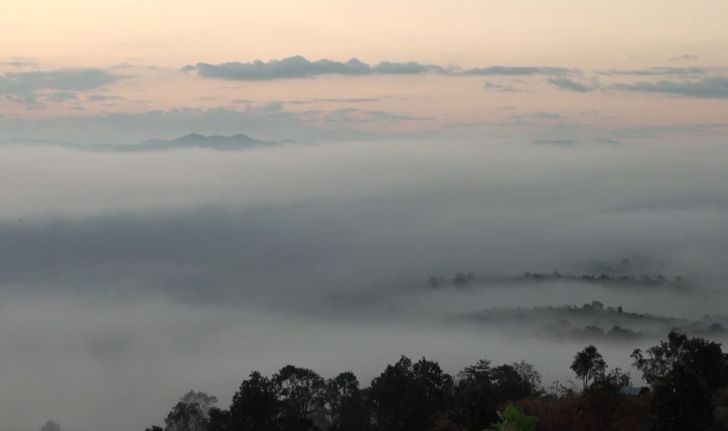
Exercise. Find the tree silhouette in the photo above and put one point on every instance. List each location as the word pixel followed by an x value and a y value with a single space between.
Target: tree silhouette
pixel 684 372
pixel 702 357
pixel 255 406
pixel 407 396
pixel 516 381
pixel 475 399
pixel 419 396
pixel 191 413
pixel 589 366
pixel 301 397
pixel 345 404
pixel 682 402
pixel 51 426
pixel 220 420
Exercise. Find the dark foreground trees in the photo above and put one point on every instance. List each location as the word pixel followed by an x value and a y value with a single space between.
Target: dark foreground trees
pixel 684 372
pixel 344 404
pixel 255 406
pixel 409 396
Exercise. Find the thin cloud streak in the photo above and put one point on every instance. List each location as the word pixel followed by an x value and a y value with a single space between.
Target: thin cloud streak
pixel 715 87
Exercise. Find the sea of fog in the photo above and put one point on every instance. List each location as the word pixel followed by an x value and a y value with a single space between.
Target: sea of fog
pixel 127 279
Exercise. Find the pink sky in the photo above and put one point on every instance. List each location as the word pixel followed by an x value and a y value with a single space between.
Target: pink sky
pixel 613 51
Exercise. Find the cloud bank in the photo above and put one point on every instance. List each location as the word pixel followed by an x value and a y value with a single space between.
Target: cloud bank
pixel 517 71
pixel 656 71
pixel 571 85
pixel 715 87
pixel 300 67
pixel 24 87
pixel 61 79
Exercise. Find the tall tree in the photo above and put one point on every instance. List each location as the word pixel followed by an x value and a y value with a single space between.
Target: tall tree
pixel 186 417
pixel 589 366
pixel 407 396
pixel 683 372
pixel 516 381
pixel 702 357
pixel 255 406
pixel 682 401
pixel 475 400
pixel 345 404
pixel 301 397
pixel 191 413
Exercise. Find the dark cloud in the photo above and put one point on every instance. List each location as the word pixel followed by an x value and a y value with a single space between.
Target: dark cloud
pixel 300 67
pixel 287 68
pixel 410 68
pixel 715 87
pixel 571 85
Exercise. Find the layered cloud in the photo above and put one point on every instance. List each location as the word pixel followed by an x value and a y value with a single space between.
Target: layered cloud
pixel 518 71
pixel 656 71
pixel 61 79
pixel 568 84
pixel 706 82
pixel 696 82
pixel 714 87
pixel 26 85
pixel 300 67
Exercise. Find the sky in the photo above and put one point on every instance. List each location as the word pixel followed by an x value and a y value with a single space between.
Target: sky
pixel 195 190
pixel 463 67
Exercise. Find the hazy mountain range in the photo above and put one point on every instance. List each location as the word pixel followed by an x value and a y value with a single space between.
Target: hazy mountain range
pixel 193 140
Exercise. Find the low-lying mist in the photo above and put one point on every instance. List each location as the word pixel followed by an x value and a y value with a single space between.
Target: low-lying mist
pixel 127 279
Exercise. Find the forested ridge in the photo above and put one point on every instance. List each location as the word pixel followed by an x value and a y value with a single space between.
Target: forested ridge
pixel 686 377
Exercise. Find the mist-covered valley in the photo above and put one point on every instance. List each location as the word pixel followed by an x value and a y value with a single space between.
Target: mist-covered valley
pixel 129 278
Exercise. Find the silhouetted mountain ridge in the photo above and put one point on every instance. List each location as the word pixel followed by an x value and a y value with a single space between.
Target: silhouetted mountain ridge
pixel 196 140
pixel 236 142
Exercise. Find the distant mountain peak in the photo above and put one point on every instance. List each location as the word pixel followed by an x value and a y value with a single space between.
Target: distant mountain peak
pixel 190 136
pixel 239 141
